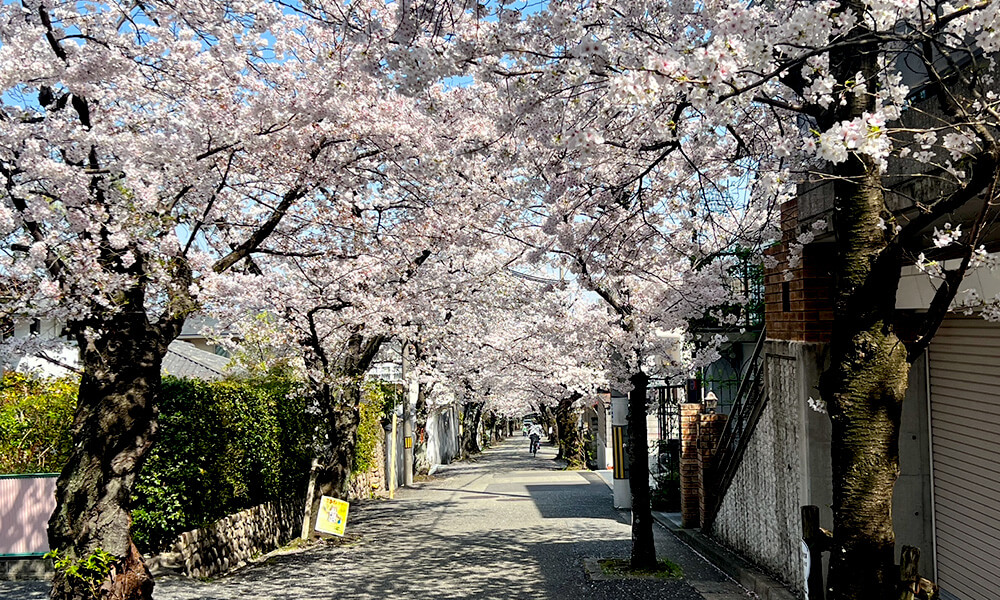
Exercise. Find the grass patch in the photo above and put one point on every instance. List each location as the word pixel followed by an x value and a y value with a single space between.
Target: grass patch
pixel 296 544
pixel 346 540
pixel 619 568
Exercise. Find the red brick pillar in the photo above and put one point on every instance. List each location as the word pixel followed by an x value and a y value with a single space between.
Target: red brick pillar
pixel 690 505
pixel 710 428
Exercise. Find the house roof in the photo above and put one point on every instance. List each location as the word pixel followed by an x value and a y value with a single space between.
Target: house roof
pixel 185 360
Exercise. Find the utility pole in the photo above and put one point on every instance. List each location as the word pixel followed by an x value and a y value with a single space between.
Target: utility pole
pixel 619 436
pixel 410 399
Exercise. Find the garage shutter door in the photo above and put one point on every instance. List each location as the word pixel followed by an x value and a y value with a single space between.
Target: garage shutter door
pixel 965 432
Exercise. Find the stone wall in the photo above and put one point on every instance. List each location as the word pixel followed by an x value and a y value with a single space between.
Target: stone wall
pixel 233 541
pixel 14 569
pixel 370 484
pixel 760 514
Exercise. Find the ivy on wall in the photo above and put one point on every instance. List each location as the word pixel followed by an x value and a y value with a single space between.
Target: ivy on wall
pixel 378 400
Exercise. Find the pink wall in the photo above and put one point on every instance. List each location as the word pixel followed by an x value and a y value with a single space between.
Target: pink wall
pixel 26 503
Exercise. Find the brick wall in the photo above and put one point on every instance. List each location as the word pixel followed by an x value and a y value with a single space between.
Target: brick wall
pixel 798 308
pixel 710 428
pixel 690 502
pixel 699 439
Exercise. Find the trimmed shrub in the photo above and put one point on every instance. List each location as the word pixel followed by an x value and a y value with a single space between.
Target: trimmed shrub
pixel 224 446
pixel 35 418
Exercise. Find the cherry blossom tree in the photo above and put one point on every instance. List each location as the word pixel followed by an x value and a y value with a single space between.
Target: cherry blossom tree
pixel 515 344
pixel 891 104
pixel 619 218
pixel 154 152
pixel 351 279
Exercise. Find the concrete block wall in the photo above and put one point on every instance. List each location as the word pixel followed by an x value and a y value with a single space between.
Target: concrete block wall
pixel 442 432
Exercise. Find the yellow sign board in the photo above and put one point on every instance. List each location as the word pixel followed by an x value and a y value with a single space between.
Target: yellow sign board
pixel 332 516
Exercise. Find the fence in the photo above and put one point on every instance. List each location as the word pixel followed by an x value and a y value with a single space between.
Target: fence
pixel 26 503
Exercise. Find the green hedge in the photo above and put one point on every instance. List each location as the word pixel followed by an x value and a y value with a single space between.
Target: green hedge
pixel 223 446
pixel 35 419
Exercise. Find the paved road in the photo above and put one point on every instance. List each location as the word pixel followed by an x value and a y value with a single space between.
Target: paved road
pixel 505 526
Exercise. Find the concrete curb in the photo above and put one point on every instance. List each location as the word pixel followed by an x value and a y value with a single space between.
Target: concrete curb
pixel 25 569
pixel 729 563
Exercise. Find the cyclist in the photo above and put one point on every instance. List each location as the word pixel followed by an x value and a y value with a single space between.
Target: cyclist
pixel 535 435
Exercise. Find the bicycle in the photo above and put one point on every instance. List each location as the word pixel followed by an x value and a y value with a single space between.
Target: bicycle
pixel 536 441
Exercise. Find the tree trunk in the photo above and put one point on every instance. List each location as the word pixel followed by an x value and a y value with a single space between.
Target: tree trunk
pixel 643 550
pixel 864 389
pixel 471 418
pixel 420 459
pixel 548 422
pixel 568 434
pixel 113 431
pixel 342 420
pixel 341 408
pixel 490 428
pixel 867 378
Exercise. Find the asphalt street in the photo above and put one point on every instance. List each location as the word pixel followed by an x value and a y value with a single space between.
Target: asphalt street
pixel 504 525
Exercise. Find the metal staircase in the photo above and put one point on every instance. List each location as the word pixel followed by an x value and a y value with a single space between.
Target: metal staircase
pixel 751 398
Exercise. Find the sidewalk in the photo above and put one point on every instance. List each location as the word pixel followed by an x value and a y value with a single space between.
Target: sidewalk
pixel 501 526
pixel 766 588
pixel 738 569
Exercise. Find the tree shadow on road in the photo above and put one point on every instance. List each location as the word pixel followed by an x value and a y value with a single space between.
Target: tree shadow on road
pixel 404 553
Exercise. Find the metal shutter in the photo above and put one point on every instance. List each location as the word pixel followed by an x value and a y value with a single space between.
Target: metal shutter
pixel 964 361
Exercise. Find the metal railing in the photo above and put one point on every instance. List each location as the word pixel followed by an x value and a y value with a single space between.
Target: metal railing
pixel 746 410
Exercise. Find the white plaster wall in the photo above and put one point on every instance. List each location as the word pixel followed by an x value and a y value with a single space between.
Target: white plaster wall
pixel 442 436
pixel 916 289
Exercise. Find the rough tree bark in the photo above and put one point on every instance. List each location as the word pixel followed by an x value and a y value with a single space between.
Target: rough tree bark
pixel 568 436
pixel 491 426
pixel 113 430
pixel 864 390
pixel 866 382
pixel 547 419
pixel 643 551
pixel 472 416
pixel 341 406
pixel 420 460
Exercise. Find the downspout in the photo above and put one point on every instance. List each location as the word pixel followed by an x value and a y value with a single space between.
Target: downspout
pixel 930 459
